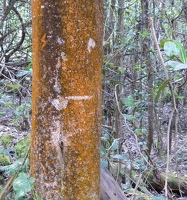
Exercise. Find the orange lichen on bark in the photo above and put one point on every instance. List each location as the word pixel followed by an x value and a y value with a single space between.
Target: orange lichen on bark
pixel 66 121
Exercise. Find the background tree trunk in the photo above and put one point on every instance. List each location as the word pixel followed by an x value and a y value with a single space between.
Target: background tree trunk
pixel 67 60
pixel 119 87
pixel 150 72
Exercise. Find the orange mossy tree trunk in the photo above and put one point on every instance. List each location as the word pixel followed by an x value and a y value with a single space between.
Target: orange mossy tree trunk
pixel 66 121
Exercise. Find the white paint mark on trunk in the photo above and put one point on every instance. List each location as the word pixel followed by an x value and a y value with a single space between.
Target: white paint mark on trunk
pixel 61 102
pixel 63 55
pixel 91 44
pixel 60 41
pixel 58 63
pixel 57 86
pixel 78 97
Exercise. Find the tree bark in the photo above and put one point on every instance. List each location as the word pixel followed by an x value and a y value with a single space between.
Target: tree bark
pixel 150 73
pixel 66 121
pixel 176 182
pixel 118 61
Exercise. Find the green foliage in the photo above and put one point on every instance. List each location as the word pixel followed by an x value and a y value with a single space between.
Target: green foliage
pixel 103 150
pixel 12 86
pixel 170 49
pixel 177 65
pixel 114 145
pixel 9 104
pixel 6 139
pixel 129 117
pixel 19 112
pixel 140 131
pixel 129 101
pixel 109 151
pixel 120 156
pixel 23 146
pixel 37 197
pixel 166 97
pixel 22 185
pixel 159 198
pixel 4 159
pixel 122 70
pixel 130 104
pixel 145 34
pixel 2 180
pixel 16 166
pixel 181 51
pixel 175 50
pixel 105 137
pixel 140 163
pixel 27 71
pixel 160 90
pixel 7 151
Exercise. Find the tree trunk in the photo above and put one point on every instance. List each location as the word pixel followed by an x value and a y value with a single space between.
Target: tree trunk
pixel 118 61
pixel 176 182
pixel 150 73
pixel 66 121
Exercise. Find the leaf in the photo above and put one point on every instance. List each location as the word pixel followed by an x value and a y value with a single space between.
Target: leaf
pixel 180 66
pixel 122 172
pixel 171 49
pixel 13 167
pixel 23 73
pixel 9 104
pixel 142 167
pixel 129 117
pixel 139 161
pixel 16 166
pixel 13 86
pixel 7 151
pixel 103 164
pixel 158 198
pixel 182 52
pixel 129 101
pixel 114 145
pixel 177 65
pixel 105 137
pixel 102 150
pixel 162 42
pixel 22 185
pixel 126 186
pixel 37 197
pixel 174 48
pixel 120 157
pixel 22 146
pixel 140 131
pixel 160 90
pixel 173 63
pixel 122 70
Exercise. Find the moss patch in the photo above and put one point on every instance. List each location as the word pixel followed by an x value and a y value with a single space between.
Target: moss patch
pixel 4 160
pixel 6 139
pixel 23 146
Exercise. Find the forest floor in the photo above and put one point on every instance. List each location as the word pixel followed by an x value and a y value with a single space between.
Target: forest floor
pixel 177 159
